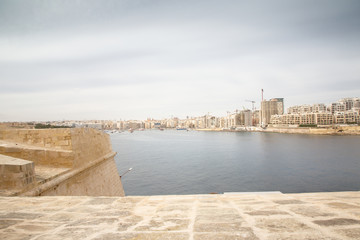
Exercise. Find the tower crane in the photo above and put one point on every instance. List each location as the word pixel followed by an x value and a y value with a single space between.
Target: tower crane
pixel 253 102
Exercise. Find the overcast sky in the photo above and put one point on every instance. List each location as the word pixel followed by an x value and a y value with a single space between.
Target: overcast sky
pixel 137 59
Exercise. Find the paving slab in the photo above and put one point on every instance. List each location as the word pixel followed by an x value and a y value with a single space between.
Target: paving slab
pixel 194 217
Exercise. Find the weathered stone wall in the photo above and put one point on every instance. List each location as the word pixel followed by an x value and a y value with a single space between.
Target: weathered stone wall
pixel 99 180
pixel 15 173
pixel 47 138
pixel 40 156
pixel 56 147
pixel 85 155
pixel 89 144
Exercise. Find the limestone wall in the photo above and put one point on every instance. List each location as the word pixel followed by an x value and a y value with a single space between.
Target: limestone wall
pixel 15 173
pixel 56 147
pixel 48 138
pixel 84 155
pixel 99 180
pixel 44 157
pixel 89 144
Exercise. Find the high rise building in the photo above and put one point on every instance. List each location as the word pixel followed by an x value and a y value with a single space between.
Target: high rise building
pixel 272 107
pixel 245 118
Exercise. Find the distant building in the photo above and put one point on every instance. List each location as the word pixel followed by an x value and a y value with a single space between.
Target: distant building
pixel 344 111
pixel 337 107
pixel 274 106
pixel 318 108
pixel 256 118
pixel 349 103
pixel 245 118
pixel 324 118
pixel 315 108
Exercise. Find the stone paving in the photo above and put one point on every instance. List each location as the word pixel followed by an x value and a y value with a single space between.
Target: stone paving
pixel 241 216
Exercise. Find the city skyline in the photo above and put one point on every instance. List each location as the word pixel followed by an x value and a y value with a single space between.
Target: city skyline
pixel 139 59
pixel 336 109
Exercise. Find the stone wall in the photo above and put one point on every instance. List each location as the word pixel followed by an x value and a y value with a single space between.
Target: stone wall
pixel 84 155
pixel 15 173
pixel 89 144
pixel 47 138
pixel 62 147
pixel 40 156
pixel 99 180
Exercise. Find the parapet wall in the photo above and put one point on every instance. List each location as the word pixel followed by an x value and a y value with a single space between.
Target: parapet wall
pixel 46 138
pixel 55 147
pixel 76 161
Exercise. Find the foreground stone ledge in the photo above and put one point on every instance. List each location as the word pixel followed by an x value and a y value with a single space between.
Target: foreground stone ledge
pixel 236 216
pixel 15 173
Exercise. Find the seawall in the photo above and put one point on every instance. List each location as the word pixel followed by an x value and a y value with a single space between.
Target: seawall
pixel 336 130
pixel 57 162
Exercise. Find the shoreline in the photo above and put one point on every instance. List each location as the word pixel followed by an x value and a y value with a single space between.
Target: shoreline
pixel 338 130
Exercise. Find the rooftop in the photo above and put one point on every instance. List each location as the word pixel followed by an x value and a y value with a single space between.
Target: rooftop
pixel 229 216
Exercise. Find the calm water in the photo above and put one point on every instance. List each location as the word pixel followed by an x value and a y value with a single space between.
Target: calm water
pixel 181 162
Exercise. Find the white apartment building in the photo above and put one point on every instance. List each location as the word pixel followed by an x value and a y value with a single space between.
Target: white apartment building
pixel 303 119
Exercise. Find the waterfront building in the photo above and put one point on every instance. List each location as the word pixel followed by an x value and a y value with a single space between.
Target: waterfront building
pixel 348 117
pixel 300 109
pixel 324 118
pixel 255 117
pixel 272 107
pixel 232 120
pixel 315 108
pixel 200 122
pixel 307 119
pixel 211 121
pixel 318 107
pixel 344 111
pixel 337 107
pixel 303 119
pixel 245 118
pixel 222 122
pixel 349 103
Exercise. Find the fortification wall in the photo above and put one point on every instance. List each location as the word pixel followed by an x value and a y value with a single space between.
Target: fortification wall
pixel 15 173
pixel 47 138
pixel 89 144
pixel 72 161
pixel 60 147
pixel 99 180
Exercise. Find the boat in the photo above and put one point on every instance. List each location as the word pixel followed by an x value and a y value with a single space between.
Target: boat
pixel 178 128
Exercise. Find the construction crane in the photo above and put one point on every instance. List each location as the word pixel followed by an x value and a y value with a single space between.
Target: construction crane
pixel 253 104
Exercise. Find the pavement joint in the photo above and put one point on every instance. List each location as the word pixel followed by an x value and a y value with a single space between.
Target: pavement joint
pixel 188 217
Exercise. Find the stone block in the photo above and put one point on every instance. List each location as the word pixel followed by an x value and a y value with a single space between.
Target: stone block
pixel 12 150
pixel 15 173
pixel 63 143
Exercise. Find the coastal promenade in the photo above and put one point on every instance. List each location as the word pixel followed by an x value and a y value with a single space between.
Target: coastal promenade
pixel 214 216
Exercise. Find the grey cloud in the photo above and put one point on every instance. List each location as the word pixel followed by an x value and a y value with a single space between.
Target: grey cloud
pixel 287 47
